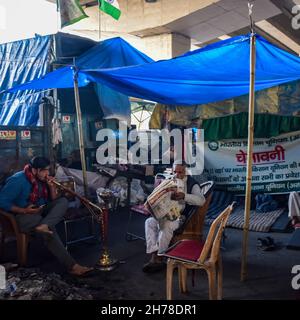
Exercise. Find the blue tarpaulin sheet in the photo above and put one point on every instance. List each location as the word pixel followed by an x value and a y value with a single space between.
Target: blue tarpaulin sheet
pixel 214 73
pixel 109 53
pixel 22 61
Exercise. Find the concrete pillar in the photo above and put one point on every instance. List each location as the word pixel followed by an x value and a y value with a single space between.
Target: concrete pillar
pixel 166 45
pixel 180 44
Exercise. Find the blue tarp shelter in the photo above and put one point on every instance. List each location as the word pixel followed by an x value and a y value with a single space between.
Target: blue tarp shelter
pixel 214 73
pixel 26 60
pixel 110 53
pixel 22 61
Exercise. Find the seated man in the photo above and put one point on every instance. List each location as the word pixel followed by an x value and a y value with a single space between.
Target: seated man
pixel 159 233
pixel 31 195
pixel 294 209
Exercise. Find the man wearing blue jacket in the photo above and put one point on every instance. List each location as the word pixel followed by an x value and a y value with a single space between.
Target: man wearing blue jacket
pixel 31 195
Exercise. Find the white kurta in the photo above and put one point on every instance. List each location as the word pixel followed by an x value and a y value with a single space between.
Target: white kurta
pixel 159 233
pixel 294 205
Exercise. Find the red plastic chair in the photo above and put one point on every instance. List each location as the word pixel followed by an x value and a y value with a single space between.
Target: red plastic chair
pixel 196 254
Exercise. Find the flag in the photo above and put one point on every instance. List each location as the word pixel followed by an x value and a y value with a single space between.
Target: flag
pixel 70 12
pixel 110 7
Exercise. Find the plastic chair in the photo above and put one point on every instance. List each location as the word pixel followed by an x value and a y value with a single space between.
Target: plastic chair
pixel 10 227
pixel 192 227
pixel 196 254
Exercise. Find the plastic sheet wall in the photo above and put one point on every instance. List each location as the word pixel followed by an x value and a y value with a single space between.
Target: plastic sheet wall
pixel 20 62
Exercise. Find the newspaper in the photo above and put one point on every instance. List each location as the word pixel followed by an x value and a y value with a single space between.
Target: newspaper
pixel 160 203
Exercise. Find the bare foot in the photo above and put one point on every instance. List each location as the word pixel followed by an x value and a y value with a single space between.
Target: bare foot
pixel 43 228
pixel 78 270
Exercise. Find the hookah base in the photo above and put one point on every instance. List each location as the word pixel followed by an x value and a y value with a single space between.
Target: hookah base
pixel 106 263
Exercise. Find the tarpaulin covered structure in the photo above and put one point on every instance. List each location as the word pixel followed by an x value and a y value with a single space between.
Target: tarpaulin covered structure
pixel 26 60
pixel 110 53
pixel 216 72
pixel 22 61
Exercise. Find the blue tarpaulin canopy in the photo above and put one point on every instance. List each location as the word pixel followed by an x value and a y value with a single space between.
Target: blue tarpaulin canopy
pixel 214 73
pixel 25 60
pixel 110 53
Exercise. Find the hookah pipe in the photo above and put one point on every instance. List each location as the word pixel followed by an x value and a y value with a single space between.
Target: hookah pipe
pixel 105 263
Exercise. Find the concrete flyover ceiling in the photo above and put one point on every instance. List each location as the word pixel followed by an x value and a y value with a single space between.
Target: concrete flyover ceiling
pixel 230 17
pixel 203 21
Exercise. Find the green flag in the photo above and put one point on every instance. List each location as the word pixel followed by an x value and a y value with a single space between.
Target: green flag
pixel 70 12
pixel 110 7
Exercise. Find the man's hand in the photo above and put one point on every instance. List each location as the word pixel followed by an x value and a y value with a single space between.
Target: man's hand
pixel 50 182
pixel 52 187
pixel 32 209
pixel 178 196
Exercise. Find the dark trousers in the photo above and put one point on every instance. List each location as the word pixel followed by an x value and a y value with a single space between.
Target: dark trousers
pixel 52 214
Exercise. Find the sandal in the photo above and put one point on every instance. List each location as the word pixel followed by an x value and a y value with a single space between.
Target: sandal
pixel 295 223
pixel 262 244
pixel 266 244
pixel 271 244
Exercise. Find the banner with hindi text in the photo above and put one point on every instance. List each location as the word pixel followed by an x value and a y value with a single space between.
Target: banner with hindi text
pixel 276 164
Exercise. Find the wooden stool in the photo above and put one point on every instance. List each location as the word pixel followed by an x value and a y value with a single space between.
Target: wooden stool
pixel 10 227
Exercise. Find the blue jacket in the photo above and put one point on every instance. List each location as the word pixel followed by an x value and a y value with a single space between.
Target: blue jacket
pixel 16 192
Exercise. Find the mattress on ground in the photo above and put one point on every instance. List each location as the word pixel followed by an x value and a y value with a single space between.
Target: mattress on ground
pixel 260 222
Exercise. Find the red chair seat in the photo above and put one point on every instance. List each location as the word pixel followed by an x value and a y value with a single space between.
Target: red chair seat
pixel 139 208
pixel 186 250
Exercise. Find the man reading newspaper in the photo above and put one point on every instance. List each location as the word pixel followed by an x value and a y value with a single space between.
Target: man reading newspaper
pixel 166 203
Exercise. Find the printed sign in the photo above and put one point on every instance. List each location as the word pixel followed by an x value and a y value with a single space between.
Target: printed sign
pixel 66 119
pixel 25 135
pixel 8 135
pixel 276 164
